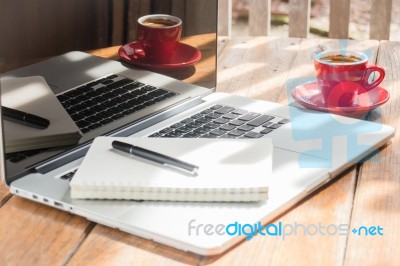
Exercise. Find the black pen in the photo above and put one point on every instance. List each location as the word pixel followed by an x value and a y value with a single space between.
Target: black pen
pixel 165 160
pixel 29 119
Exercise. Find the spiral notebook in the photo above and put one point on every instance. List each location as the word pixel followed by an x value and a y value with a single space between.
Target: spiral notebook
pixel 231 170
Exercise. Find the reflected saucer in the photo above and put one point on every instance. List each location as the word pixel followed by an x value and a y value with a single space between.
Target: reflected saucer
pixel 309 96
pixel 184 56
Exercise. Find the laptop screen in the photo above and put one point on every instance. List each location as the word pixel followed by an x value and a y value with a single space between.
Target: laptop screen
pixel 173 38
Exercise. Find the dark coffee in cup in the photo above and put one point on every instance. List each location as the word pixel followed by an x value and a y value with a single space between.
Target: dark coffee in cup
pixel 339 58
pixel 159 35
pixel 159 23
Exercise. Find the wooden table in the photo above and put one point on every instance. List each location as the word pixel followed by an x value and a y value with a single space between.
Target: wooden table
pixel 258 67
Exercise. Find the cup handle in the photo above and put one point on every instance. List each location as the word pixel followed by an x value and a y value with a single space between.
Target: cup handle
pixel 367 74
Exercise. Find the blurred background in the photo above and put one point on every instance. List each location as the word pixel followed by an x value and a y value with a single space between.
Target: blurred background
pixel 360 15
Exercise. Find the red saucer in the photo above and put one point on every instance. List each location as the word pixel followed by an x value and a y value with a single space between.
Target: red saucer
pixel 184 56
pixel 310 97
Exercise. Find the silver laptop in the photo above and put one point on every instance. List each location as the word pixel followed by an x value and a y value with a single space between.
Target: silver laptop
pixel 310 149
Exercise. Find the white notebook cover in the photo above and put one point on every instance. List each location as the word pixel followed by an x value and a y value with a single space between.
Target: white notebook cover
pixel 229 170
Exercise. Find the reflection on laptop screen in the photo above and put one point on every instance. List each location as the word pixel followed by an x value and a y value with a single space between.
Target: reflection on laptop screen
pixel 88 68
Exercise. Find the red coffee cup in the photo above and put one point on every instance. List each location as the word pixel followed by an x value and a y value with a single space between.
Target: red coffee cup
pixel 342 75
pixel 159 35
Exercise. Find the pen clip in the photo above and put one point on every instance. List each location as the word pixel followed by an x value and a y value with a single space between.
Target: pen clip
pixel 193 173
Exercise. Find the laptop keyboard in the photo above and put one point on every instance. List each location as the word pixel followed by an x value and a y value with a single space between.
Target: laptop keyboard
pixel 103 101
pixel 221 121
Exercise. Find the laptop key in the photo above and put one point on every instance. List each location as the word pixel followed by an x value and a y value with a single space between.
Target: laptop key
pixel 85 130
pixel 157 93
pixel 253 135
pixel 260 120
pixel 266 131
pixel 249 116
pixel 284 121
pixel 230 116
pixel 94 126
pixel 155 135
pixel 168 95
pixel 106 81
pixel 215 107
pixel 267 124
pixel 62 98
pixel 187 120
pixel 236 133
pixel 227 127
pixel 184 129
pixel 213 115
pixel 106 121
pixel 217 132
pixel 224 110
pixel 237 122
pixel 113 76
pixel 191 135
pixel 166 130
pixel 149 88
pixel 207 111
pixel 177 125
pixel 209 136
pixel 203 120
pixel 68 176
pixel 239 112
pixel 196 116
pixel 172 135
pixel 245 128
pixel 221 121
pixel 117 116
pixel 275 126
pixel 212 125
pixel 119 83
pixel 201 130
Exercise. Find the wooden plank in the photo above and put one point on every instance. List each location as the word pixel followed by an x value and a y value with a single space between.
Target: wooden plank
pixel 256 67
pixel 107 246
pixel 381 15
pixel 221 44
pixel 260 17
pixel 299 18
pixel 34 234
pixel 339 19
pixel 377 199
pixel 224 17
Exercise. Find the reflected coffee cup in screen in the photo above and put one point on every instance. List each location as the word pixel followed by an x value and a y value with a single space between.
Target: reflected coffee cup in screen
pixel 159 35
pixel 342 75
